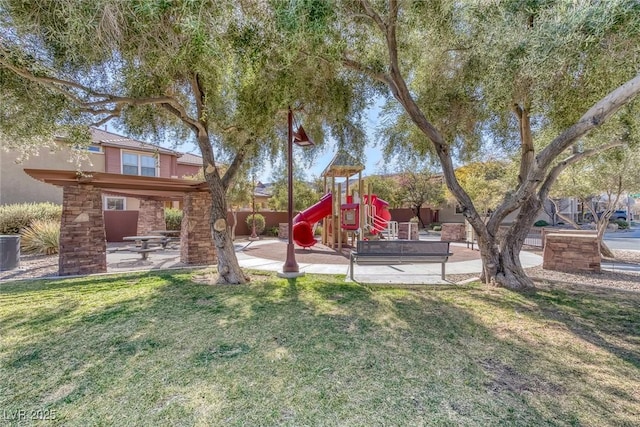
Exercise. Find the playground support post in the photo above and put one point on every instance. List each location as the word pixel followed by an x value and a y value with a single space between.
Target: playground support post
pixel 300 138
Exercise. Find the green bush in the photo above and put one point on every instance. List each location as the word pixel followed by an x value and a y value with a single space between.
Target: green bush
pixel 318 231
pixel 540 223
pixel 272 231
pixel 260 223
pixel 433 225
pixel 437 228
pixel 622 224
pixel 14 218
pixel 173 218
pixel 41 237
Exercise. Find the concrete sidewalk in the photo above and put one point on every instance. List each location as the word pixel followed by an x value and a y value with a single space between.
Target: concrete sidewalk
pixel 121 261
pixel 377 274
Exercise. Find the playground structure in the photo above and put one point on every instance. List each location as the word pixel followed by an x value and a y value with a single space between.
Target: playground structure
pixel 354 214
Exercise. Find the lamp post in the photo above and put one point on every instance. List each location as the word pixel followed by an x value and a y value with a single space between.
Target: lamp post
pixel 290 268
pixel 253 236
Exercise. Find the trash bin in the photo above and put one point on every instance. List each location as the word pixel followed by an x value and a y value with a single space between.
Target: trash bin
pixel 9 251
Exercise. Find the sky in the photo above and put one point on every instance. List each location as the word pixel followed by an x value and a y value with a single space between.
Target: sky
pixel 373 157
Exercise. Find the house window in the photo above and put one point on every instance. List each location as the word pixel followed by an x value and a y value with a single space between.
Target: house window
pixel 138 164
pixel 94 149
pixel 114 203
pixel 459 209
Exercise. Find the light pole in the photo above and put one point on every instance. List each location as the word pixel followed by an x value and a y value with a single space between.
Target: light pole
pixel 290 268
pixel 253 236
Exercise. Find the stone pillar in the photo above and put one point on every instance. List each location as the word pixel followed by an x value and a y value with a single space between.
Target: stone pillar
pixel 151 216
pixel 453 232
pixel 408 231
pixel 196 246
pixel 571 253
pixel 83 246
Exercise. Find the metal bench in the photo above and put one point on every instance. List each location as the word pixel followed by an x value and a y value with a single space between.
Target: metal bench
pixel 390 252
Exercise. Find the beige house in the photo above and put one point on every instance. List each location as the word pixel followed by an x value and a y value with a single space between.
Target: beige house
pixel 108 152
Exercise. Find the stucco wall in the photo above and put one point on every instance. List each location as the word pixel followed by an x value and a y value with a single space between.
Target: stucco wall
pixel 448 214
pixel 18 187
pixel 190 170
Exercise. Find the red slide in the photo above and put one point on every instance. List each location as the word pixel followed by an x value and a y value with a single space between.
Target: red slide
pixel 304 221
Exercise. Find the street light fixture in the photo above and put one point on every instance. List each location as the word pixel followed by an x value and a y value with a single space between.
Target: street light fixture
pixel 299 137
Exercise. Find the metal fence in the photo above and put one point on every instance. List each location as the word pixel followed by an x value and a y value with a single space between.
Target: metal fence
pixel 534 238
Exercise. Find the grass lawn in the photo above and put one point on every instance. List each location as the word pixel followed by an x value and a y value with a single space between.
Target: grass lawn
pixel 160 349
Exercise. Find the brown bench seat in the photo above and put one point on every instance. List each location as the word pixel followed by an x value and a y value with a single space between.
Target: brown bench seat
pixel 391 252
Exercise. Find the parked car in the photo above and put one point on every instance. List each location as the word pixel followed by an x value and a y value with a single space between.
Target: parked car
pixel 618 215
pixel 614 216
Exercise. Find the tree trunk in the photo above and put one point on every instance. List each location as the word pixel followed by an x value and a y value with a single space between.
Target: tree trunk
pixel 229 271
pixel 601 226
pixel 501 256
pixel 416 212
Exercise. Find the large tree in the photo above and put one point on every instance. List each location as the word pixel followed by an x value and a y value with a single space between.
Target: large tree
pixel 523 78
pixel 213 72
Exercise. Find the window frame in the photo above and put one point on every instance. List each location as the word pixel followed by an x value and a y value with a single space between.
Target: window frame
pixel 106 203
pixel 139 166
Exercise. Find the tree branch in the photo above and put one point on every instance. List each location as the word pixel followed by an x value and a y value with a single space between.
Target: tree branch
pixel 64 87
pixel 593 118
pixel 371 13
pixel 232 171
pixel 555 172
pixel 401 92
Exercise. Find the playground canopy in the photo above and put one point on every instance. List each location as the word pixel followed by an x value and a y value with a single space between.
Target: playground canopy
pixel 343 164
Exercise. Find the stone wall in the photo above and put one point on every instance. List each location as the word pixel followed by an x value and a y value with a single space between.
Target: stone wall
pixel 571 253
pixel 283 230
pixel 150 217
pixel 545 231
pixel 453 232
pixel 196 246
pixel 408 231
pixel 83 247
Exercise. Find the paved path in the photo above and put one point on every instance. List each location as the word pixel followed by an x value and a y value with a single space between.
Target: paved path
pixel 624 239
pixel 404 273
pixel 382 274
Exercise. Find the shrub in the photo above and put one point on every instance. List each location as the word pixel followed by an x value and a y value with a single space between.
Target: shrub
pixel 42 237
pixel 540 223
pixel 318 231
pixel 173 218
pixel 14 218
pixel 414 220
pixel 272 231
pixel 259 223
pixel 437 228
pixel 622 224
pixel 433 225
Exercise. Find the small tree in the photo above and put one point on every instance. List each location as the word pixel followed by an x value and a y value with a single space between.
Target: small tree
pixel 259 222
pixel 599 183
pixel 304 193
pixel 420 188
pixel 386 187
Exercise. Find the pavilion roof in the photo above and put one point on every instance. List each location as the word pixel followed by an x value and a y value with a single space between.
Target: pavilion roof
pixel 142 187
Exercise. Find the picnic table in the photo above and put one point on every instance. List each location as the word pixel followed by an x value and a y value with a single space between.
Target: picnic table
pixel 167 236
pixel 144 248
